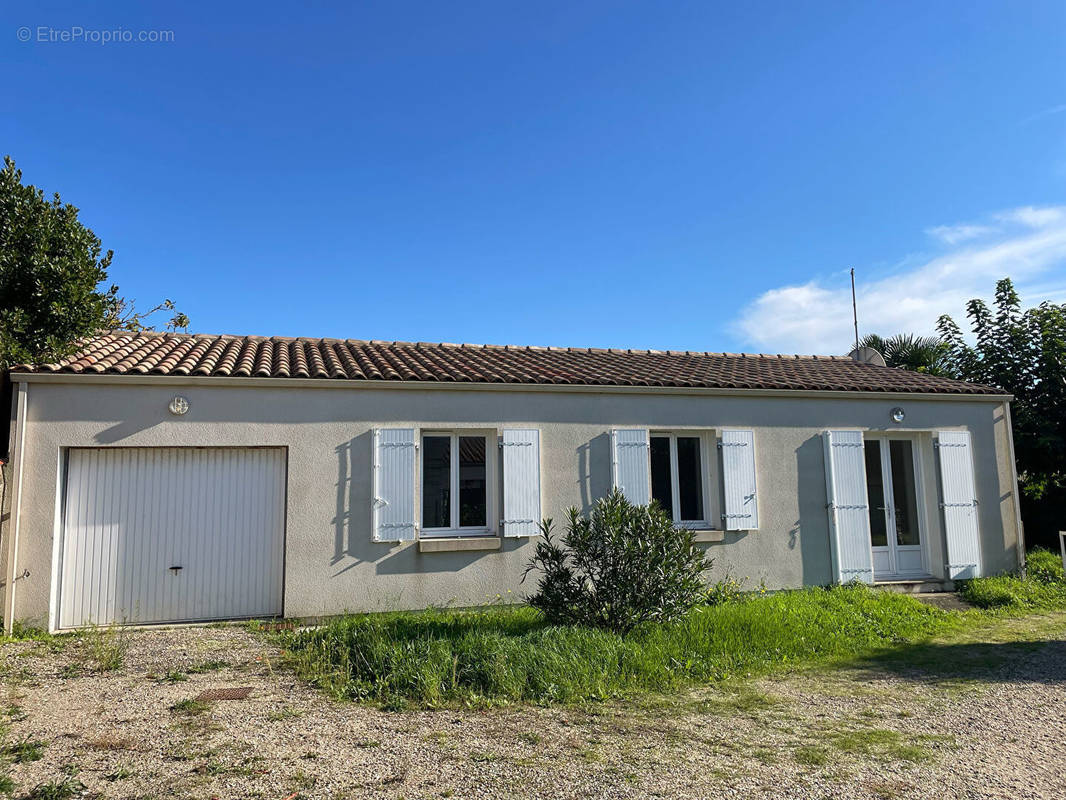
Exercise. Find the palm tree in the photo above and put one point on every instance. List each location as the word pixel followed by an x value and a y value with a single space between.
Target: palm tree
pixel 907 351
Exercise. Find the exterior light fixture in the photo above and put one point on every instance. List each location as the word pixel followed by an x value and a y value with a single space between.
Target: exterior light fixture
pixel 897 415
pixel 178 406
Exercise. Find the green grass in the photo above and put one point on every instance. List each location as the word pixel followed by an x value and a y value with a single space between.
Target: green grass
pixel 1043 588
pixel 811 755
pixel 435 658
pixel 1044 565
pixel 190 707
pixel 1013 593
pixel 503 654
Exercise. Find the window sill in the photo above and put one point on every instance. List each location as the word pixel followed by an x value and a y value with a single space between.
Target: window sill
pixel 454 545
pixel 708 536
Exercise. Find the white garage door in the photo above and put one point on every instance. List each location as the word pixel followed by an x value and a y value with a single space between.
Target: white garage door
pixel 172 534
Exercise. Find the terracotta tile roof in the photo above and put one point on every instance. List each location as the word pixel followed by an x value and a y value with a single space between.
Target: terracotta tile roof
pixel 348 359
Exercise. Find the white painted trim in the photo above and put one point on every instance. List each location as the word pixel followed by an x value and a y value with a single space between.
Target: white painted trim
pixel 19 451
pixel 884 438
pixel 340 383
pixel 1019 529
pixel 491 480
pixel 702 434
pixel 57 540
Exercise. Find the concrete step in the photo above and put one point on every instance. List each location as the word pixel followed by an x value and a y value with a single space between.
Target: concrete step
pixel 923 585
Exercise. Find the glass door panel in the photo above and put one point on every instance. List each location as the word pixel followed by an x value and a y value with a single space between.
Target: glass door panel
pixel 904 495
pixel 875 491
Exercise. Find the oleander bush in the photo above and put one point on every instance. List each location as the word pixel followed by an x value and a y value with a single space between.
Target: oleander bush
pixel 619 567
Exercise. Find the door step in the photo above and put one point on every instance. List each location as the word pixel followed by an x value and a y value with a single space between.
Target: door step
pixel 916 585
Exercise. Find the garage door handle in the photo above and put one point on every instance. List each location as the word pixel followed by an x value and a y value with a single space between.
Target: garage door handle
pixel 174 569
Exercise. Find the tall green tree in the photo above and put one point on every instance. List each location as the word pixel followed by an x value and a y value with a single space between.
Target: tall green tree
pixel 1023 353
pixel 53 278
pixel 908 351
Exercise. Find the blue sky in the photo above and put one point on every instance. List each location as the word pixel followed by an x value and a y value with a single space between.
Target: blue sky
pixel 665 175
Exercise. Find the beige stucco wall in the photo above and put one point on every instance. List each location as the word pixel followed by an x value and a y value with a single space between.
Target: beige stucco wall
pixel 331 564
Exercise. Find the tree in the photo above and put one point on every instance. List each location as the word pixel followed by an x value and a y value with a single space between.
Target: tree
pixel 620 567
pixel 1024 354
pixel 52 268
pixel 907 351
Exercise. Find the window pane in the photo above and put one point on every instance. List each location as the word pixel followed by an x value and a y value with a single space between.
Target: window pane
pixel 689 478
pixel 436 481
pixel 904 495
pixel 661 488
pixel 472 485
pixel 875 490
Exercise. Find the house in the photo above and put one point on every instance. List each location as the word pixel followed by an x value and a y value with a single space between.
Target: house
pixel 161 477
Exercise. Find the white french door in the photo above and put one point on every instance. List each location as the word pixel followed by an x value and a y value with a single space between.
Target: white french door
pixel 895 525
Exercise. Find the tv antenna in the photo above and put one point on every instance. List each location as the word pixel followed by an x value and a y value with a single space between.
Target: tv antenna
pixel 854 309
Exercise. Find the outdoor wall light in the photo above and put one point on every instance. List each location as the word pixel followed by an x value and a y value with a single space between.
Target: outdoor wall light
pixel 178 406
pixel 897 414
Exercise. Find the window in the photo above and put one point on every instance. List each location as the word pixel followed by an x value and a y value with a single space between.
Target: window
pixel 455 481
pixel 677 476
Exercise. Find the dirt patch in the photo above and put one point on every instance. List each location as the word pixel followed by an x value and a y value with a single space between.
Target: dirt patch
pixel 880 731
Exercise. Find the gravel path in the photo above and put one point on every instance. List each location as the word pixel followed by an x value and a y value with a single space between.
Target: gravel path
pixel 988 725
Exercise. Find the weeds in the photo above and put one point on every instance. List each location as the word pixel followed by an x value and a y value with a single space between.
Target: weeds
pixel 190 707
pixel 106 646
pixel 811 755
pixel 120 774
pixel 207 666
pixel 25 750
pixel 57 790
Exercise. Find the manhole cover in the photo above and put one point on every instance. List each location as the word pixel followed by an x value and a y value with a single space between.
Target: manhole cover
pixel 235 693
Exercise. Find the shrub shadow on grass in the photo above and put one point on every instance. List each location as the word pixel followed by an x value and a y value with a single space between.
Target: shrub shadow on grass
pixel 984 661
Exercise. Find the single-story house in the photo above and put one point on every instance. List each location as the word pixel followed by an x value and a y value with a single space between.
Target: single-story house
pixel 164 477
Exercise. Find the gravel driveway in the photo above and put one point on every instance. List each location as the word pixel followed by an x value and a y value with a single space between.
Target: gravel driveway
pixel 981 718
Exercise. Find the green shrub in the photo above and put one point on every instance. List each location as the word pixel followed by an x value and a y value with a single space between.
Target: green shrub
pixel 622 566
pixel 1044 565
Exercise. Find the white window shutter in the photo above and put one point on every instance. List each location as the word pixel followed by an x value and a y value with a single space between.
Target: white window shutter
pixel 738 478
pixel 393 502
pixel 630 470
pixel 959 501
pixel 849 511
pixel 521 482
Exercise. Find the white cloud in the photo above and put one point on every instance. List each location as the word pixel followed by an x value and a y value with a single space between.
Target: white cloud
pixel 1047 112
pixel 1032 217
pixel 1029 245
pixel 954 234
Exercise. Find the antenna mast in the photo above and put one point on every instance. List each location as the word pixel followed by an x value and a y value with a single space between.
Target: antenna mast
pixel 855 312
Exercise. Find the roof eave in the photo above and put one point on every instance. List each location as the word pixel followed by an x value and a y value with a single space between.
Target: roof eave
pixel 574 388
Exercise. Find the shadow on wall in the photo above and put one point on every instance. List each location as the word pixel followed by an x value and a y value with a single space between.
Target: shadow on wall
pixel 352 486
pixel 594 471
pixel 811 531
pixel 123 430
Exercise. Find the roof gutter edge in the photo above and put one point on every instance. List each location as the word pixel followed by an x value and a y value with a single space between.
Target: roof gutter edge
pixel 577 388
